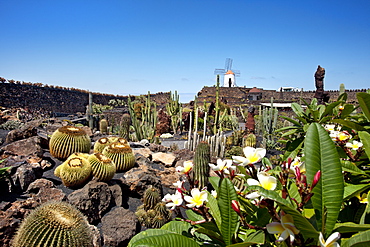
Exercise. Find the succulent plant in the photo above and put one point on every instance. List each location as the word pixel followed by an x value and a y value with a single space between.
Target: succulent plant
pixel 161 209
pixel 103 168
pixel 125 126
pixel 251 140
pixel 105 141
pixel 103 126
pixel 202 158
pixel 121 154
pixel 75 171
pixel 54 224
pixel 67 140
pixel 151 197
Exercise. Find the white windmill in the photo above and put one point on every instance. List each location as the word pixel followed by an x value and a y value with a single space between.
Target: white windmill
pixel 229 75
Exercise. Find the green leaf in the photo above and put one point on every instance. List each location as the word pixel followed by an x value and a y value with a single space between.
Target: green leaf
pixel 361 239
pixel 297 109
pixel 364 101
pixel 164 240
pixel 349 227
pixel 349 124
pixel 320 153
pixel 229 217
pixel 215 181
pixel 214 210
pixel 353 189
pixel 349 166
pixel 302 224
pixel 179 227
pixel 365 139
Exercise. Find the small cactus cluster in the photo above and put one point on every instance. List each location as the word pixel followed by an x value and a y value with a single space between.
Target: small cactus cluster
pixel 153 213
pixel 125 126
pixel 54 224
pixel 202 158
pixel 251 140
pixel 67 140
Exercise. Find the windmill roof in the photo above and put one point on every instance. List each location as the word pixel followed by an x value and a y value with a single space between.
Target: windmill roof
pixel 229 72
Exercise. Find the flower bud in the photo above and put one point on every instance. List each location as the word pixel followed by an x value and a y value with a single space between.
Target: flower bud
pixel 235 206
pixel 316 179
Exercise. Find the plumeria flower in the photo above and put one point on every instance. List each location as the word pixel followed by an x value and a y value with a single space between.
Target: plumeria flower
pixel 355 145
pixel 331 241
pixel 186 168
pixel 173 200
pixel 196 199
pixel 330 127
pixel 285 228
pixel 223 165
pixel 297 163
pixel 265 180
pixel 178 184
pixel 252 155
pixel 362 197
pixel 214 193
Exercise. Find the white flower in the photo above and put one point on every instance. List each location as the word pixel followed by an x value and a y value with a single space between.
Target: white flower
pixel 330 127
pixel 331 241
pixel 214 193
pixel 166 135
pixel 354 145
pixel 223 165
pixel 297 163
pixel 178 184
pixel 173 200
pixel 252 155
pixel 285 228
pixel 196 199
pixel 265 180
pixel 188 165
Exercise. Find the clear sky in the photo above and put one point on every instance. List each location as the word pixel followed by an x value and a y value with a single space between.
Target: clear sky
pixel 135 46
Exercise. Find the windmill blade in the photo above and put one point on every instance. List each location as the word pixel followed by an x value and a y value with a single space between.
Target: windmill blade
pixel 219 71
pixel 236 72
pixel 228 64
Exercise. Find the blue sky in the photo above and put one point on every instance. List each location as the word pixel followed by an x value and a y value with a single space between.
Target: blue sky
pixel 135 46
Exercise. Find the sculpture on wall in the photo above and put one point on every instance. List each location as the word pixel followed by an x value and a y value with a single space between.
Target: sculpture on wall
pixel 321 96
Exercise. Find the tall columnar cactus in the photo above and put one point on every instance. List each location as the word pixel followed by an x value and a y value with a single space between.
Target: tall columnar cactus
pixel 251 140
pixel 269 119
pixel 146 126
pixel 67 140
pixel 75 171
pixel 103 168
pixel 121 154
pixel 202 158
pixel 125 126
pixel 55 224
pixel 342 89
pixel 217 107
pixel 103 126
pixel 174 109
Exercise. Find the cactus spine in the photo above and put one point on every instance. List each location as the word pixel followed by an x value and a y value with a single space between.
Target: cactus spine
pixel 54 224
pixel 125 126
pixel 67 140
pixel 201 168
pixel 102 167
pixel 103 126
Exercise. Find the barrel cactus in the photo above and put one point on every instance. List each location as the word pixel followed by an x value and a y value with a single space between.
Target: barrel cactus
pixel 103 126
pixel 67 140
pixel 121 154
pixel 103 168
pixel 202 158
pixel 151 197
pixel 55 224
pixel 75 171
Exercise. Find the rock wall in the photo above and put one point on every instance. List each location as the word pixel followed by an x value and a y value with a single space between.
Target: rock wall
pixel 56 99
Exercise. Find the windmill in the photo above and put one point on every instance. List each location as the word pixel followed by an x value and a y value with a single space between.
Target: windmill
pixel 229 75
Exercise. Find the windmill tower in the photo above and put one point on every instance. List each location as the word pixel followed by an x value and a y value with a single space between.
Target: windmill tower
pixel 229 75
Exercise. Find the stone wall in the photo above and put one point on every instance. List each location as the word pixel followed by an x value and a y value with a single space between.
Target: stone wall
pixel 57 100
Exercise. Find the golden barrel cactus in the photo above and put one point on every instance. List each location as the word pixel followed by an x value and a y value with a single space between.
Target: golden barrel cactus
pixel 121 154
pixel 103 168
pixel 67 140
pixel 75 171
pixel 57 224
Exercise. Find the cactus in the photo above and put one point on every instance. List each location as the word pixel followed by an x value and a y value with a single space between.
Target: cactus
pixel 125 126
pixel 121 154
pixel 161 209
pixel 152 196
pixel 105 141
pixel 250 140
pixel 158 221
pixel 202 158
pixel 54 224
pixel 342 89
pixel 102 167
pixel 75 171
pixel 67 140
pixel 174 109
pixel 269 122
pixel 103 126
